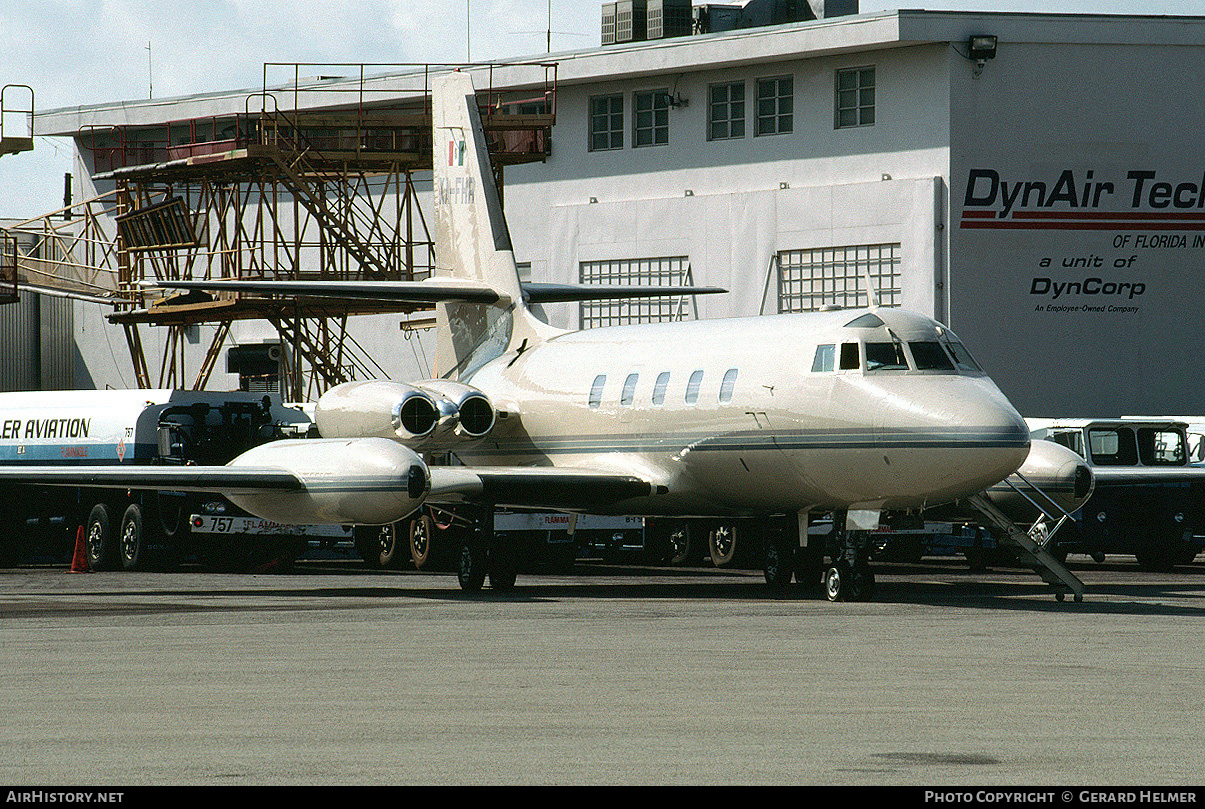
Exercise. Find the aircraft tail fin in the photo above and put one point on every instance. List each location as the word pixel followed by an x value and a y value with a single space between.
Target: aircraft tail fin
pixel 472 241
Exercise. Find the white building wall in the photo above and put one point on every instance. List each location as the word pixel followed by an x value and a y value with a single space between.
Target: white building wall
pixel 731 205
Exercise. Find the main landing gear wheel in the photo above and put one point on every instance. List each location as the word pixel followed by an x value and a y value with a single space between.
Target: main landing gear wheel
pixel 471 566
pixel 845 582
pixel 478 560
pixel 777 566
pixel 503 566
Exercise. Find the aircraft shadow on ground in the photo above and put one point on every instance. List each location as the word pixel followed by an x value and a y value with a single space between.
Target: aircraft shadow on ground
pixel 898 585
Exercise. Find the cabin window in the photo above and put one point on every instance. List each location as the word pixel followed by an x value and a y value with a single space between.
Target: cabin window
pixel 596 390
pixel 629 390
pixel 885 357
pixel 692 387
pixel 659 388
pixel 727 385
pixel 929 356
pixel 825 359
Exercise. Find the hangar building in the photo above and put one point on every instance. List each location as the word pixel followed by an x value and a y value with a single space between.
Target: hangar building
pixel 1035 181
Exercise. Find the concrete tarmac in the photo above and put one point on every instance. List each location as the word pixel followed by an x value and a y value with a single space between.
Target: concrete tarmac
pixel 334 674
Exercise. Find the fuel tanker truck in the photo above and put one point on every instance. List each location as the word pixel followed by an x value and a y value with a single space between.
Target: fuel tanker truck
pixel 140 528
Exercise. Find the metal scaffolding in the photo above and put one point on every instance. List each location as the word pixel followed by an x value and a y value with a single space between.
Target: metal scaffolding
pixel 304 193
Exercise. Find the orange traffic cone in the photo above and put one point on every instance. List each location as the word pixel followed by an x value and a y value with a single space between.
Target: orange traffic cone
pixel 79 563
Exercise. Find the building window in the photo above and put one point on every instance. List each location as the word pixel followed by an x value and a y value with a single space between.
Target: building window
pixel 650 112
pixel 775 105
pixel 673 271
pixel 726 116
pixel 606 123
pixel 855 97
pixel 810 279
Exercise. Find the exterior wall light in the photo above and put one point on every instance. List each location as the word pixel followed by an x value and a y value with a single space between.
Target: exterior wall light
pixel 980 48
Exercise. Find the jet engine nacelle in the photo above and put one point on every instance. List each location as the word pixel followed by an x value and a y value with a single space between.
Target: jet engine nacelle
pixel 431 414
pixel 366 481
pixel 1057 472
pixel 471 414
pixel 1050 472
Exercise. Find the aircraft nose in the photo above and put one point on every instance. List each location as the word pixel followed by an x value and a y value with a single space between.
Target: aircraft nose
pixel 992 421
pixel 968 435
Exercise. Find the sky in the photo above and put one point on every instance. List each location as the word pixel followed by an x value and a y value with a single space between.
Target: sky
pixel 82 52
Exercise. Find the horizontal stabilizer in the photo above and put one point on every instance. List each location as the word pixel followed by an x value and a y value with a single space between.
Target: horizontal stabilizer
pixel 561 293
pixel 436 289
pixel 430 291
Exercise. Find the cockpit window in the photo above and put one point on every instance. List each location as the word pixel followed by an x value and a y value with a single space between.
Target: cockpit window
pixel 825 359
pixel 930 356
pixel 849 357
pixel 866 321
pixel 962 358
pixel 885 357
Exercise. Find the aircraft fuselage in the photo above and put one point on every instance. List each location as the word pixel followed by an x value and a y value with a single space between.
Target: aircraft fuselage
pixel 742 415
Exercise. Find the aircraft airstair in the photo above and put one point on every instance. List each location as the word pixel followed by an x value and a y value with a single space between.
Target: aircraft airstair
pixel 1034 543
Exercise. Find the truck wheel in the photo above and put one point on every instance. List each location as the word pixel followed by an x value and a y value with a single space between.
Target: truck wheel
pixel 722 544
pixel 378 544
pixel 679 543
pixel 420 541
pixel 133 539
pixel 100 539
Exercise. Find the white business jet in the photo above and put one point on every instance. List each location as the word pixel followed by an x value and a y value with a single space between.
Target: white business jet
pixel 855 413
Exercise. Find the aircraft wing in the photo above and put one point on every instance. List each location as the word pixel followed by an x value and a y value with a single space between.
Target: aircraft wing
pixel 532 487
pixel 217 479
pixel 535 487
